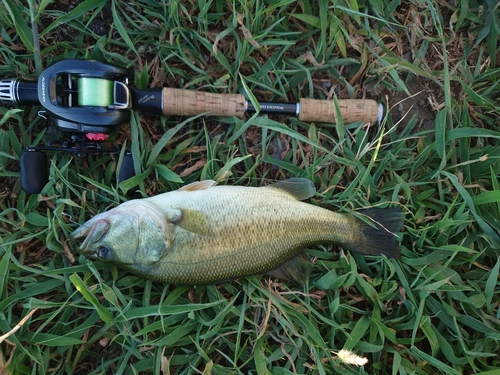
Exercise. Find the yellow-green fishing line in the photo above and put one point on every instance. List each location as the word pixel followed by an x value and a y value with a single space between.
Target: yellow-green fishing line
pixel 95 92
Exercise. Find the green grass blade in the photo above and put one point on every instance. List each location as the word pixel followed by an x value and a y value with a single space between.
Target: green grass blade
pixel 104 313
pixel 21 25
pixel 80 10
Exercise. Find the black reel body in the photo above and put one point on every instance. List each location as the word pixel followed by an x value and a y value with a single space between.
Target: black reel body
pixel 85 99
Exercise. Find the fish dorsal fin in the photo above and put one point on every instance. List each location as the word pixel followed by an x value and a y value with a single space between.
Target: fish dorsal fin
pixel 299 188
pixel 295 269
pixel 193 221
pixel 198 185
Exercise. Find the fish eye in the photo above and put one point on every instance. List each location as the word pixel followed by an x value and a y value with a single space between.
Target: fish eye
pixel 105 252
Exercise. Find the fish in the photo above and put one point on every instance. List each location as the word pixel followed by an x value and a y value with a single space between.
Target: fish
pixel 204 233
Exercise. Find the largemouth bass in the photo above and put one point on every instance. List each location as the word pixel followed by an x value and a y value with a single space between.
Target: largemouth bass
pixel 202 233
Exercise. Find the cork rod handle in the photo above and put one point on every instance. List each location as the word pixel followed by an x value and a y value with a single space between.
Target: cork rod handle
pixel 181 102
pixel 352 110
pixel 190 103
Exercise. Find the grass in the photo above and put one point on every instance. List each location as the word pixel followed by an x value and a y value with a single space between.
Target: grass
pixel 435 310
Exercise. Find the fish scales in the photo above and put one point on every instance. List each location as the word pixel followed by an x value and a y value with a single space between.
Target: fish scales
pixel 203 233
pixel 244 238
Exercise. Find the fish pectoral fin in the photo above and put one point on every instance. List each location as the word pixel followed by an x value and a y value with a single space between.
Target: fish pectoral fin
pixel 193 221
pixel 299 188
pixel 188 219
pixel 295 269
pixel 198 185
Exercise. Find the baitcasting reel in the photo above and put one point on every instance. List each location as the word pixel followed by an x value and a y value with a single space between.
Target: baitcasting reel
pixel 83 98
pixel 88 99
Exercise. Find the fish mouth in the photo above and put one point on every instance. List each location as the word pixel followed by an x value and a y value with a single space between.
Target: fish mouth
pixel 93 232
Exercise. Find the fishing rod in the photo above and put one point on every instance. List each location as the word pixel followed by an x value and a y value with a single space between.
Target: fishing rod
pixel 88 99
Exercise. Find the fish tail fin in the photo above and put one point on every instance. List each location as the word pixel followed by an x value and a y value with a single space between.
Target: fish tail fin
pixel 378 234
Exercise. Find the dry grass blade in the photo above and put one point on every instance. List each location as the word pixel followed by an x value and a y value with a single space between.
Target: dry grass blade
pixel 17 326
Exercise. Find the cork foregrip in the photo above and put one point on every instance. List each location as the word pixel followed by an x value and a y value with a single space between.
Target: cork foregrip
pixel 181 102
pixel 352 110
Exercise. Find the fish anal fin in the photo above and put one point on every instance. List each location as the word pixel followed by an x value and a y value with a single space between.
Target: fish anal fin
pixel 198 185
pixel 299 188
pixel 295 269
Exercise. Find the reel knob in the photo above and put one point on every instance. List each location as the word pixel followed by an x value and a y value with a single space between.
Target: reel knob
pixel 34 174
pixel 127 168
